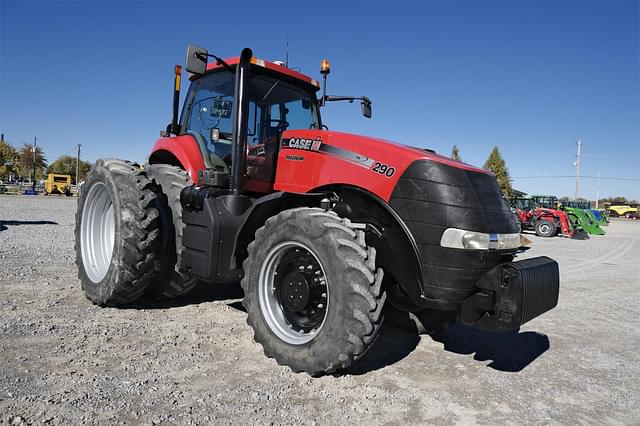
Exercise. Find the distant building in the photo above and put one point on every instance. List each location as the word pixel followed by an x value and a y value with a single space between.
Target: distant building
pixel 517 193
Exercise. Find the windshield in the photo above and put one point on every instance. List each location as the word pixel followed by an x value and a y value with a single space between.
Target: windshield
pixel 271 101
pixel 286 105
pixel 546 202
pixel 522 203
pixel 275 105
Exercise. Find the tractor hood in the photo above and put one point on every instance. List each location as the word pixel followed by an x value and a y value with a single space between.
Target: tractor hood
pixel 428 192
pixel 315 158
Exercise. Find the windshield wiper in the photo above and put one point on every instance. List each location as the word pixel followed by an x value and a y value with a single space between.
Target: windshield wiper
pixel 270 90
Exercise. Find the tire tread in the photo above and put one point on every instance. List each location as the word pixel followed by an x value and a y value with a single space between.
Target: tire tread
pixel 362 279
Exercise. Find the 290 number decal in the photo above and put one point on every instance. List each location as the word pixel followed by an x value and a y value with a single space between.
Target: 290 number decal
pixel 383 169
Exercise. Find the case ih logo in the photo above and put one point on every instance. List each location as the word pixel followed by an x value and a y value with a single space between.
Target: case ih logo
pixel 302 143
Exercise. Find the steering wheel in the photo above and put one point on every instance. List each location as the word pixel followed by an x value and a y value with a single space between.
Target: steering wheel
pixel 282 125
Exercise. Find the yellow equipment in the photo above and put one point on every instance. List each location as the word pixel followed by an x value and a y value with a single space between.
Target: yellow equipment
pixel 57 184
pixel 622 210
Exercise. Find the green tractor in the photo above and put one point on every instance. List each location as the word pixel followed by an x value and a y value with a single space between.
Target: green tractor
pixel 582 218
pixel 601 215
pixel 595 215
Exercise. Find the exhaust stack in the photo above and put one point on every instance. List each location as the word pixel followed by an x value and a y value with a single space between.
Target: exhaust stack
pixel 240 114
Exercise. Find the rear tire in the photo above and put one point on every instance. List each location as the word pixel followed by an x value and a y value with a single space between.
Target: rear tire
pixel 315 336
pixel 116 233
pixel 545 228
pixel 169 282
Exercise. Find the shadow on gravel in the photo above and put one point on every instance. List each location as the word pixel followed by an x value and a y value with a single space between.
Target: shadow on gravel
pixel 5 223
pixel 393 344
pixel 201 294
pixel 509 351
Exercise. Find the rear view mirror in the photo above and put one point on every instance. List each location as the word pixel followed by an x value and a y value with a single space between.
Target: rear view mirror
pixel 196 61
pixel 365 104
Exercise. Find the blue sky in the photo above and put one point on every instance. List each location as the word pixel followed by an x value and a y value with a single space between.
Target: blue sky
pixel 529 77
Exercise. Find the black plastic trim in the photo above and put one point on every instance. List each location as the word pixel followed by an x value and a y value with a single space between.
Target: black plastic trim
pixel 512 294
pixel 431 197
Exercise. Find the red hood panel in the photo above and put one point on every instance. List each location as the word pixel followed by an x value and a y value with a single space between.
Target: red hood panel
pixel 310 159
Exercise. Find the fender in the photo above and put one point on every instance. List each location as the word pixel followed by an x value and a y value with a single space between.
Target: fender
pixel 183 150
pixel 396 248
pixel 264 208
pixel 397 251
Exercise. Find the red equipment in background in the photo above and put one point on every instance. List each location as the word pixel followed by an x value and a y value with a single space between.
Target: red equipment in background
pixel 545 222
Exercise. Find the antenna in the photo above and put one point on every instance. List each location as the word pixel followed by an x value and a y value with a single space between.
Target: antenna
pixel 286 52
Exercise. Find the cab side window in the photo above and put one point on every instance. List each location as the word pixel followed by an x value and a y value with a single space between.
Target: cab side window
pixel 210 108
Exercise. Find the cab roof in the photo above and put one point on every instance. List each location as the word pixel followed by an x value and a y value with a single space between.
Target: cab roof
pixel 281 69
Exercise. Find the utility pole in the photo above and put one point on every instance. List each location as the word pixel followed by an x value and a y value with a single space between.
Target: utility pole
pixel 598 190
pixel 33 179
pixel 577 164
pixel 78 171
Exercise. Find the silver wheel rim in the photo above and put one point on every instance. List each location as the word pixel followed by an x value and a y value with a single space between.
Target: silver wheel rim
pixel 97 232
pixel 270 306
pixel 544 228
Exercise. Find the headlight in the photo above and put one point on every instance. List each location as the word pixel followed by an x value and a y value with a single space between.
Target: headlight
pixel 461 239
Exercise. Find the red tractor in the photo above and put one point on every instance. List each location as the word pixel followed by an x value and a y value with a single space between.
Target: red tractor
pixel 322 228
pixel 545 221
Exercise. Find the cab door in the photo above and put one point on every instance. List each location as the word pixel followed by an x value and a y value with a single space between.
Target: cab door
pixel 262 147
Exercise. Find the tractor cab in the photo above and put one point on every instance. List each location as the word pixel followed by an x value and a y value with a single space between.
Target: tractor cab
pixel 584 205
pixel 546 201
pixel 523 203
pixel 279 99
pixel 241 102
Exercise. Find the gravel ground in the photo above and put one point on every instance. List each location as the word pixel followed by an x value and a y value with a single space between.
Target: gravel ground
pixel 193 361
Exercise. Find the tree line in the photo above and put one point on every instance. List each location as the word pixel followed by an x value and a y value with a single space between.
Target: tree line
pixel 496 164
pixel 19 163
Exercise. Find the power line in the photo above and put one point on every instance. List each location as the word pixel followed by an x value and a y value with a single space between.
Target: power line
pixel 573 177
pixel 611 155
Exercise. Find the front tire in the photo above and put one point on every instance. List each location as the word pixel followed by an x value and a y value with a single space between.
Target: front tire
pixel 116 233
pixel 545 228
pixel 313 294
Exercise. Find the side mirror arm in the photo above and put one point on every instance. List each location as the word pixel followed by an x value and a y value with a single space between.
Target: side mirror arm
pixel 365 102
